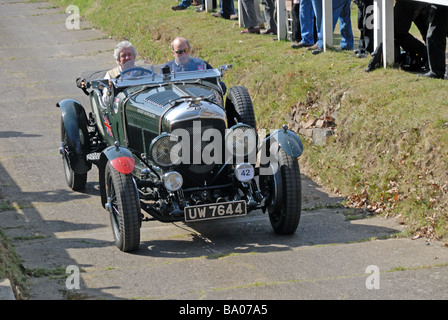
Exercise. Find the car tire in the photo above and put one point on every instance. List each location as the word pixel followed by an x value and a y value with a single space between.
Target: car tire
pixel 124 208
pixel 75 181
pixel 285 198
pixel 239 106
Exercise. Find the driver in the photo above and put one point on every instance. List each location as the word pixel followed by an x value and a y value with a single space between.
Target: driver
pixel 183 62
pixel 124 54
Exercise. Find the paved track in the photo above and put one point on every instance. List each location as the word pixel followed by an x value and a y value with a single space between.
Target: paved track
pixel 53 228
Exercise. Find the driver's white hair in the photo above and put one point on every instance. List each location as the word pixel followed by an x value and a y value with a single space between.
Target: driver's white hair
pixel 121 46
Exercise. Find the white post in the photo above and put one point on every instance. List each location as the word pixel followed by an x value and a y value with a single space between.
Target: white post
pixel 281 18
pixel 377 35
pixel 388 32
pixel 327 27
pixel 240 14
pixel 208 5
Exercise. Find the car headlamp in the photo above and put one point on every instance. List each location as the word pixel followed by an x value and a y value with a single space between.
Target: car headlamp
pixel 172 181
pixel 241 140
pixel 163 150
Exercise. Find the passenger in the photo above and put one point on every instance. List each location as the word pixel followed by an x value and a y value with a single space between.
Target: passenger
pixel 124 52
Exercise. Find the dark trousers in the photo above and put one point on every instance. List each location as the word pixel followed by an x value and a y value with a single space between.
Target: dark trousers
pixel 365 25
pixel 296 33
pixel 406 12
pixel 436 38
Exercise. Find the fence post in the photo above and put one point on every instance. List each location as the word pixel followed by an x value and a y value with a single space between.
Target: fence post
pixel 388 32
pixel 208 5
pixel 281 16
pixel 327 23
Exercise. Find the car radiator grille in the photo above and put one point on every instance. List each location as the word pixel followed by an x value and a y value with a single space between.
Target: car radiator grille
pixel 193 172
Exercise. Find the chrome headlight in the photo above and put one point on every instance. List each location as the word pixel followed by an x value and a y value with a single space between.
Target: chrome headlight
pixel 241 140
pixel 163 150
pixel 172 181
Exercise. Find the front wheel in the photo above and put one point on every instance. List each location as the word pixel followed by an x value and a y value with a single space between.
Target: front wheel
pixel 123 205
pixel 76 181
pixel 285 194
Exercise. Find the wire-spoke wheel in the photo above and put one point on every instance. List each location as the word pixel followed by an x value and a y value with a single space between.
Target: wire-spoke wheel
pixel 123 205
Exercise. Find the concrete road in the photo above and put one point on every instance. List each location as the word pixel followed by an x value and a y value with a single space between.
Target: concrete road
pixel 57 230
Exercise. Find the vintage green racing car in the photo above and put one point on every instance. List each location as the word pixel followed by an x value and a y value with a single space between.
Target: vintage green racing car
pixel 173 146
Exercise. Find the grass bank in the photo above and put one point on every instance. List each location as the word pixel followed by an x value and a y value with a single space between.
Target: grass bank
pixel 390 148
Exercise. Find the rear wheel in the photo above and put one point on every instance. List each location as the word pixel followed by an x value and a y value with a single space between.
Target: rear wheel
pixel 74 180
pixel 285 194
pixel 239 107
pixel 123 205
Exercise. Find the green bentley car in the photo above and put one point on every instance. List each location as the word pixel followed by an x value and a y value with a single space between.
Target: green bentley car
pixel 178 146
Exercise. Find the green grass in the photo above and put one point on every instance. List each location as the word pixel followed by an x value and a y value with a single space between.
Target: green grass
pixel 391 141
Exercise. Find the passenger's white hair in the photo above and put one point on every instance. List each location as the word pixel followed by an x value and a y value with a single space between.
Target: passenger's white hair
pixel 121 46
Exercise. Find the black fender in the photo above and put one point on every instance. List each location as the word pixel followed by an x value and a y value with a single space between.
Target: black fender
pixel 120 158
pixel 74 121
pixel 286 139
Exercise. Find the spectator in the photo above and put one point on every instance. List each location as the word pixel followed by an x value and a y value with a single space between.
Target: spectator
pixel 184 4
pixel 341 12
pixel 226 9
pixel 296 35
pixel 436 41
pixel 365 26
pixel 269 14
pixel 307 24
pixel 249 16
pixel 306 20
pixel 406 12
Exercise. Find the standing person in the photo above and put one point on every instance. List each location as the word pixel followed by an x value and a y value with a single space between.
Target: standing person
pixel 406 12
pixel 365 26
pixel 269 14
pixel 341 12
pixel 306 18
pixel 296 34
pixel 436 41
pixel 249 16
pixel 226 9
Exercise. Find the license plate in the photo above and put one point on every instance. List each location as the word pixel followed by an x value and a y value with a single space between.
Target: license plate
pixel 215 211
